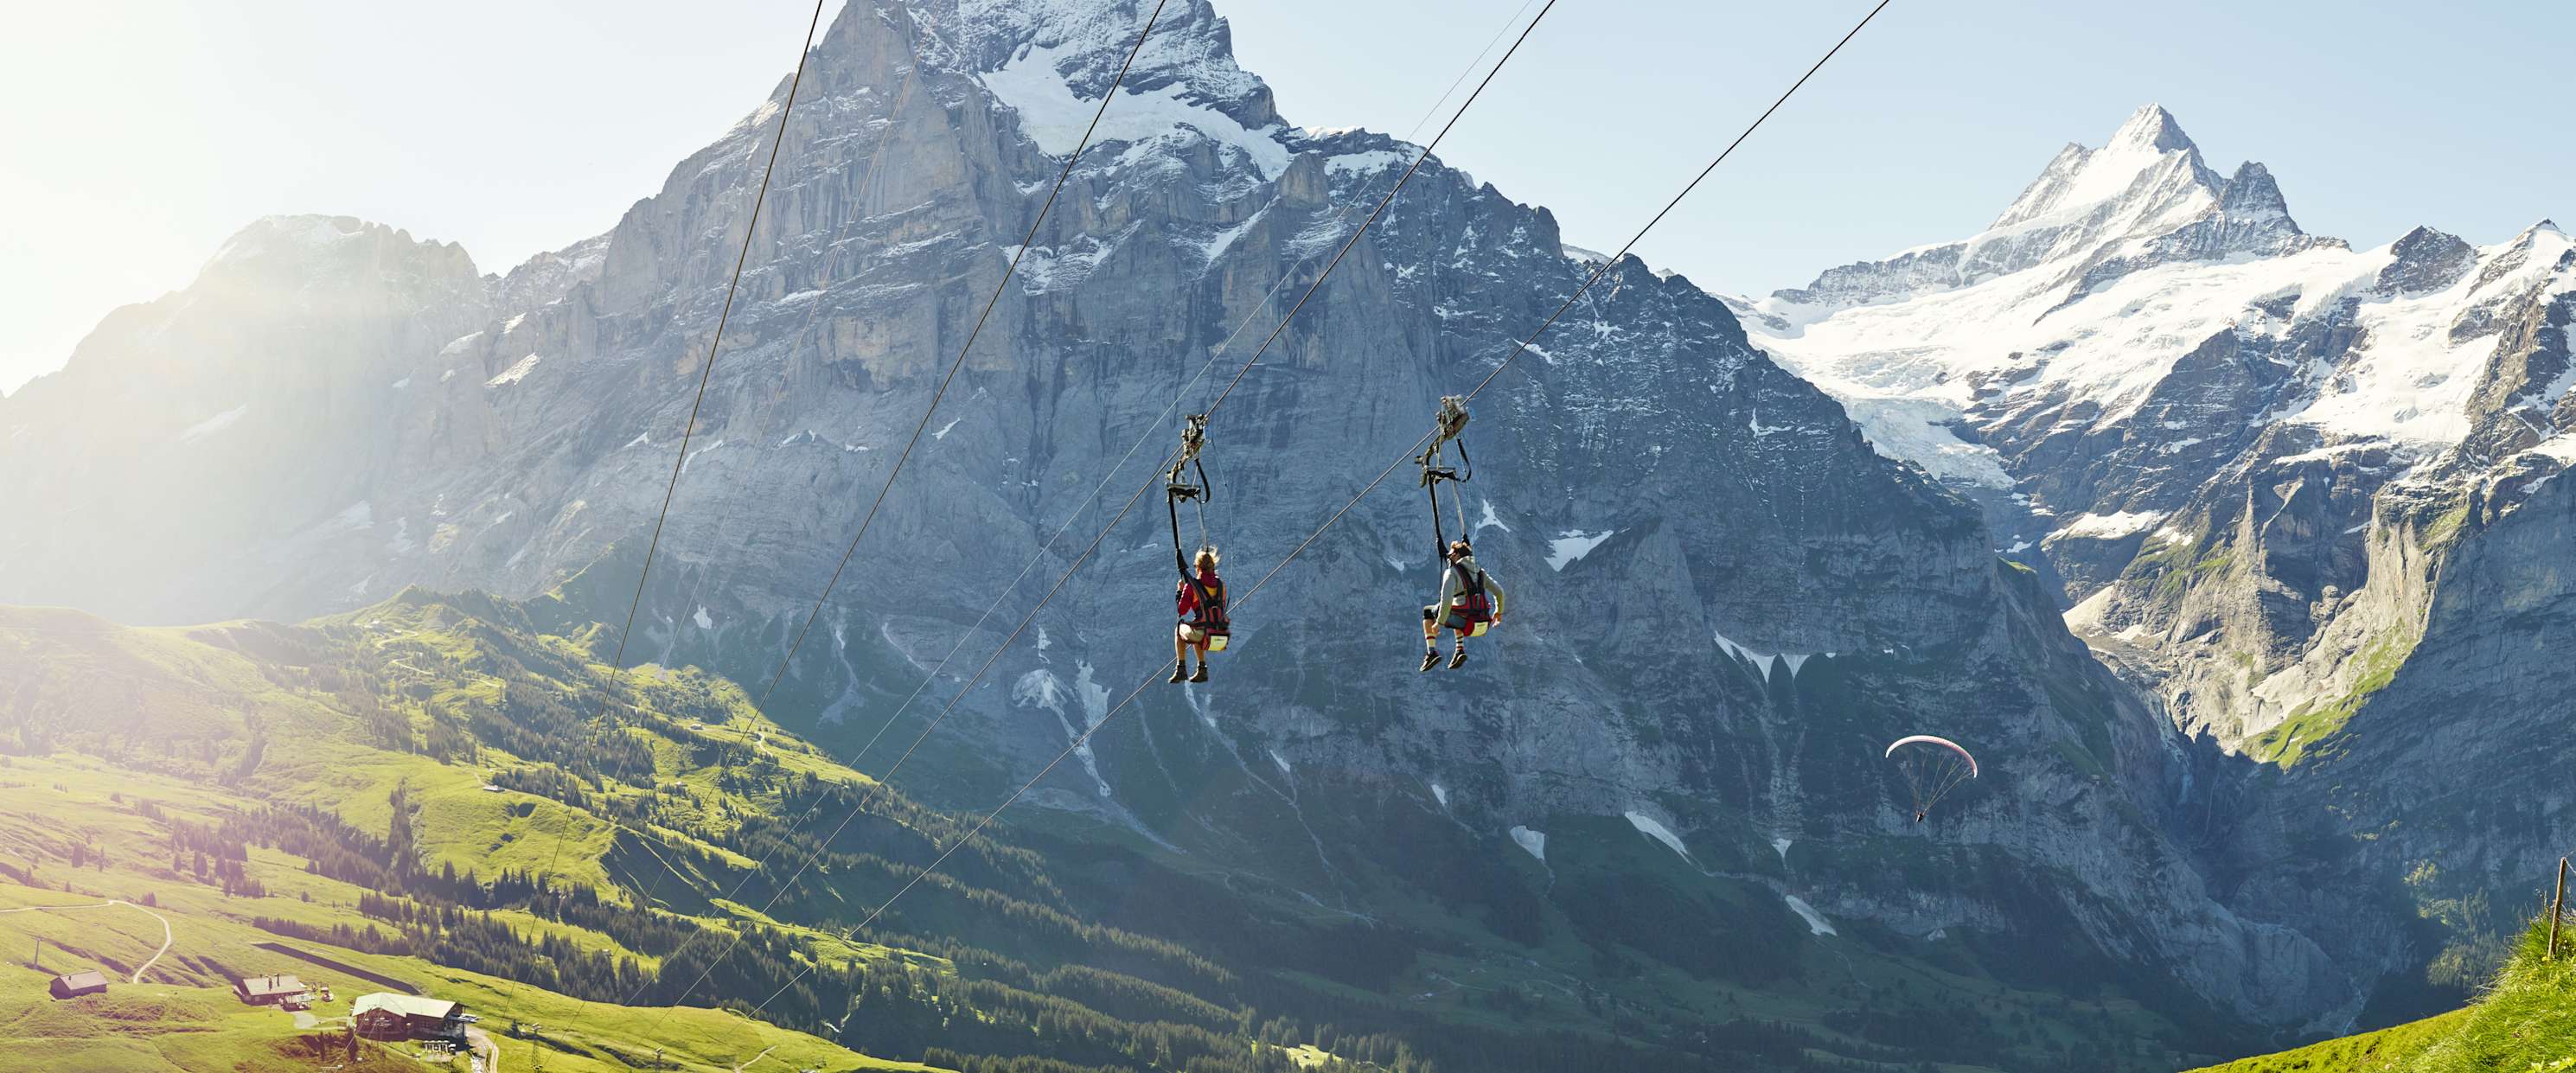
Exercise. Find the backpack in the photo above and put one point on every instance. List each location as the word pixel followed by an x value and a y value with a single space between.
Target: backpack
pixel 1209 615
pixel 1472 606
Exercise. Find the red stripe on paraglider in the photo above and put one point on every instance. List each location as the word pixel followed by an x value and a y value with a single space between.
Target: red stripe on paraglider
pixel 1942 742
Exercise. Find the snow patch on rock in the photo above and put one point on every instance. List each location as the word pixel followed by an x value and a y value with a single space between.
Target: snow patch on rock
pixel 1816 922
pixel 1766 661
pixel 212 425
pixel 517 371
pixel 1364 163
pixel 2109 526
pixel 1654 829
pixel 1571 546
pixel 1055 118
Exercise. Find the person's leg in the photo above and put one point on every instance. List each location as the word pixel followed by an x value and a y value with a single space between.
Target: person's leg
pixel 1459 655
pixel 1180 650
pixel 1430 636
pixel 1202 645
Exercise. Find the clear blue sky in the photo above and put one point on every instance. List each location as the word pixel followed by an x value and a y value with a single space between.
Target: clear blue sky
pixel 140 134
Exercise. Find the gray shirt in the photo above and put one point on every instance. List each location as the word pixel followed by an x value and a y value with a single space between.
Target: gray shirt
pixel 1453 592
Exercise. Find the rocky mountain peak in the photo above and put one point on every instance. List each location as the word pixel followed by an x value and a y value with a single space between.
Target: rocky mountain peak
pixel 2092 216
pixel 2153 129
pixel 1049 60
pixel 2251 195
pixel 2148 147
pixel 298 247
pixel 2425 260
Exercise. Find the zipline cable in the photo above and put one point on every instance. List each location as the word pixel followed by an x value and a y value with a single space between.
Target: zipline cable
pixel 706 370
pixel 1408 455
pixel 960 362
pixel 1615 258
pixel 1156 423
pixel 858 212
pixel 814 309
pixel 1152 479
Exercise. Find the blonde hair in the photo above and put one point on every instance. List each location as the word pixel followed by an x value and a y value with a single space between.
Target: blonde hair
pixel 1206 559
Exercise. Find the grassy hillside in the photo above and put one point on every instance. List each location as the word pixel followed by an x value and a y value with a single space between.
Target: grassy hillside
pixel 2525 1021
pixel 436 790
pixel 182 1016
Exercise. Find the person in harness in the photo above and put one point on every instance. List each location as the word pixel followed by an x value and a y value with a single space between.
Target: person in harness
pixel 1470 603
pixel 1201 606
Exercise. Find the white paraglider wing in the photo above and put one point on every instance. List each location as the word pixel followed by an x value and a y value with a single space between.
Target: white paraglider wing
pixel 1932 767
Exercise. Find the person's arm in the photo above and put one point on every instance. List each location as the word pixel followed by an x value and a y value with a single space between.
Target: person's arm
pixel 1189 598
pixel 1448 585
pixel 1494 590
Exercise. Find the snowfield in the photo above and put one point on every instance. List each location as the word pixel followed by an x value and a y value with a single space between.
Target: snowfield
pixel 1816 922
pixel 517 371
pixel 2110 526
pixel 1654 829
pixel 1054 117
pixel 1572 546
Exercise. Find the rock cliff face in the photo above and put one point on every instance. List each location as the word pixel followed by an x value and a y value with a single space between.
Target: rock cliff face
pixel 2302 494
pixel 1725 602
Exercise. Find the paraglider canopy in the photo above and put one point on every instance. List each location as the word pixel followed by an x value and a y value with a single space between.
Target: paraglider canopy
pixel 1932 768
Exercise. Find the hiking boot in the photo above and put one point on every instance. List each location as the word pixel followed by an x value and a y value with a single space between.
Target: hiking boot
pixel 1200 675
pixel 1430 659
pixel 1457 658
pixel 1180 672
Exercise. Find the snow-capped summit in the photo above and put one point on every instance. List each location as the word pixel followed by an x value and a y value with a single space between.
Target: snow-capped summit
pixel 1049 61
pixel 2080 178
pixel 2082 302
pixel 2092 216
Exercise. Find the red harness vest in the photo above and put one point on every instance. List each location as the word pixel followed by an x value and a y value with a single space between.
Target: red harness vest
pixel 1203 602
pixel 1472 605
